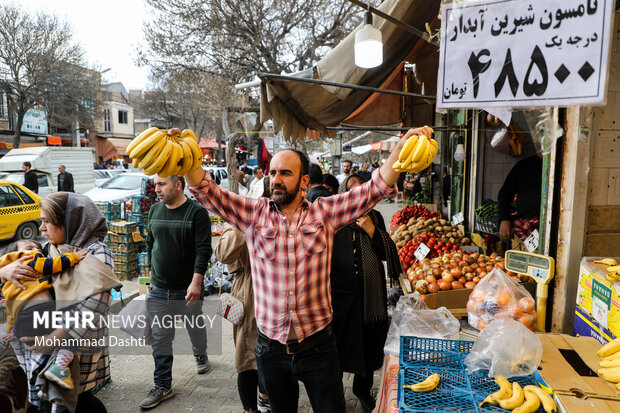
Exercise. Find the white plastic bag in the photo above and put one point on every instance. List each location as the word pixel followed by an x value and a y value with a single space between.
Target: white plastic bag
pixel 499 295
pixel 413 318
pixel 133 319
pixel 506 348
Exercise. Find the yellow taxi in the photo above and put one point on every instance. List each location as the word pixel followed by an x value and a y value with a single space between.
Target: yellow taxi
pixel 20 211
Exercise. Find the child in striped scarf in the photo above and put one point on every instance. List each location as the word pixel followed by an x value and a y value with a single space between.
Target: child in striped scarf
pixel 21 304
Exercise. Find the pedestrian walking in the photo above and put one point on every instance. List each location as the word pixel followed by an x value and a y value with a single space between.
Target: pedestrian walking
pixel 30 178
pixel 290 242
pixel 179 248
pixel 65 180
pixel 359 296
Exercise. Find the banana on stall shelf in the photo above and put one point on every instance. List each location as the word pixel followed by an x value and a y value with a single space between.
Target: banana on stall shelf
pixel 165 153
pixel 519 400
pixel 426 385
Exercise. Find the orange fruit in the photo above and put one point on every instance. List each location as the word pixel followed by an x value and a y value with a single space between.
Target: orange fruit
pixel 517 312
pixel 481 324
pixel 503 299
pixel 526 320
pixel 526 304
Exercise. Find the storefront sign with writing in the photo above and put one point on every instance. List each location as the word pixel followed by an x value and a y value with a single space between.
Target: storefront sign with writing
pixel 512 53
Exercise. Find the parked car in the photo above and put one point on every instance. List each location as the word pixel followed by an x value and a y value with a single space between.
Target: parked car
pixel 20 211
pixel 46 186
pixel 219 174
pixel 118 189
pixel 102 175
pixel 45 161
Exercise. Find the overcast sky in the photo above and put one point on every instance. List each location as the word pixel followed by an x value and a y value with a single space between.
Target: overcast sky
pixel 108 30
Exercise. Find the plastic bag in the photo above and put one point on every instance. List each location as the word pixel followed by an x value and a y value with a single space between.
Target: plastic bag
pixel 133 319
pixel 500 296
pixel 544 128
pixel 506 348
pixel 412 318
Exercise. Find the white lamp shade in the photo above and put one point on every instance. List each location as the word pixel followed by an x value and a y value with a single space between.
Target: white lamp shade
pixel 459 154
pixel 368 47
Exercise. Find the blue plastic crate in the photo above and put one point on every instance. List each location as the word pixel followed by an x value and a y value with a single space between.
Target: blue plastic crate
pixel 482 385
pixel 135 203
pixel 143 258
pixel 147 188
pixel 444 354
pixel 452 394
pixel 457 391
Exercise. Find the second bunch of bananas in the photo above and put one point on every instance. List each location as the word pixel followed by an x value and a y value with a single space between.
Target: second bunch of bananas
pixel 416 155
pixel 165 153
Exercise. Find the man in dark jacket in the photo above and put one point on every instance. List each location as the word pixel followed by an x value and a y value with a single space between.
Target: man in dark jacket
pixel 179 248
pixel 315 186
pixel 65 180
pixel 30 178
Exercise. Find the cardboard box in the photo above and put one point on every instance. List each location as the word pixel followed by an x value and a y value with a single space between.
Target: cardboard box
pixel 571 363
pixel 598 298
pixel 586 326
pixel 143 285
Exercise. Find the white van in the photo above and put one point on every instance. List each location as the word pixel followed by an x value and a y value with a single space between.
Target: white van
pixel 45 161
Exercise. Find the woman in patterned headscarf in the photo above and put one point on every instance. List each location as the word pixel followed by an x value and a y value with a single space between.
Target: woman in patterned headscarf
pixel 359 296
pixel 73 220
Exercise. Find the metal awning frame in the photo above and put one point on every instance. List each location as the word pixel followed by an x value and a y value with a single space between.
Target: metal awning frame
pixel 268 76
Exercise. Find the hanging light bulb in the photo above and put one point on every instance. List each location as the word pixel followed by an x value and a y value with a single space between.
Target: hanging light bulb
pixel 459 153
pixel 368 45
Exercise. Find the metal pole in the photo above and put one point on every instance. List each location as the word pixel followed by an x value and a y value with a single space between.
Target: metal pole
pixel 344 85
pixel 422 35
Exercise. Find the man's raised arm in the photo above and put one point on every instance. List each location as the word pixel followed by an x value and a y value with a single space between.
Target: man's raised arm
pixel 235 209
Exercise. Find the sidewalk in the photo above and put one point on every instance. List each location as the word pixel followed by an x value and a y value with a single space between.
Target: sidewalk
pixel 216 391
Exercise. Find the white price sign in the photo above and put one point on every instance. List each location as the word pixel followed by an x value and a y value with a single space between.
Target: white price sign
pixel 601 302
pixel 422 252
pixel 531 242
pixel 514 53
pixel 458 218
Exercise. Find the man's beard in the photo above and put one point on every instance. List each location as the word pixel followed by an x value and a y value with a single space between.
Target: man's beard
pixel 287 197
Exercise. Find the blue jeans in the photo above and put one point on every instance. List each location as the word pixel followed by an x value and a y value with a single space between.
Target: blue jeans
pixel 165 304
pixel 317 368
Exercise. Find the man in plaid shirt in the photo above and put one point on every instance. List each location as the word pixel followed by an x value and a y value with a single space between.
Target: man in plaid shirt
pixel 290 242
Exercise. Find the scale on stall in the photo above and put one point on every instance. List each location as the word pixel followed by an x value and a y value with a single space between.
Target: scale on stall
pixel 542 269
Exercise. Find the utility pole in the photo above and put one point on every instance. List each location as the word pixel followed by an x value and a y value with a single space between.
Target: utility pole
pixel 76 127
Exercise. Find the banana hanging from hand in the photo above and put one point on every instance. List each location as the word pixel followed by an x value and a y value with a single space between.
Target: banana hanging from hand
pixel 165 153
pixel 417 154
pixel 424 386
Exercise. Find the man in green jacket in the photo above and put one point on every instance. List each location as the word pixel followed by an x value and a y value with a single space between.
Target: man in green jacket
pixel 179 247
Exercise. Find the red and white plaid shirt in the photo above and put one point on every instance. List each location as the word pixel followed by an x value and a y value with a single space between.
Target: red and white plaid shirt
pixel 291 261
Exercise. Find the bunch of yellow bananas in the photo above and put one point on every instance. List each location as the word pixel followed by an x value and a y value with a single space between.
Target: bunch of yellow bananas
pixel 426 385
pixel 610 362
pixel 520 400
pixel 416 155
pixel 165 153
pixel 613 269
